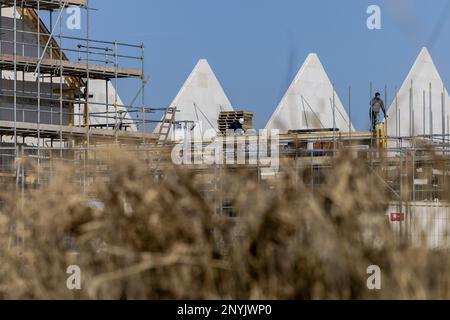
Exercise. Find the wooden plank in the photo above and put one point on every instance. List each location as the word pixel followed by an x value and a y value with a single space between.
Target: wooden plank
pixel 71 68
pixel 53 131
pixel 43 4
pixel 226 118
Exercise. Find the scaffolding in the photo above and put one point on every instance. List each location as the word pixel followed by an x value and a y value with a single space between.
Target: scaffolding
pixel 46 80
pixel 48 94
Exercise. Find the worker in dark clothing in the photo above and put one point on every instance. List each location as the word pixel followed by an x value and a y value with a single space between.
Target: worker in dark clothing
pixel 376 105
pixel 236 125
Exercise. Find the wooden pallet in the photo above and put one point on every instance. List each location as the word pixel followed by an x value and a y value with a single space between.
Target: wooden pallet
pixel 228 117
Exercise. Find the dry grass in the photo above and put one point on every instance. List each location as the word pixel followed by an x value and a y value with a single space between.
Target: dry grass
pixel 162 240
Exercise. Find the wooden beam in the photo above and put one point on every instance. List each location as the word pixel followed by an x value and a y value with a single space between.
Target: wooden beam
pixel 53 131
pixel 44 4
pixel 70 68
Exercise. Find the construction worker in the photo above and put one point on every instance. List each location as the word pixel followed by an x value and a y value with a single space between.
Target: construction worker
pixel 237 126
pixel 376 104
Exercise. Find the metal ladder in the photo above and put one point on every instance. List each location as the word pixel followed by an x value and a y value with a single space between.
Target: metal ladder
pixel 166 124
pixel 163 135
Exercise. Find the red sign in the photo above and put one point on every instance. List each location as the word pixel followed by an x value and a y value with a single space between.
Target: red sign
pixel 397 217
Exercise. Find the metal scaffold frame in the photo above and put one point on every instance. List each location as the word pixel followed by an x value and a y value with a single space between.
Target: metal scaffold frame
pixel 67 100
pixel 50 65
pixel 63 75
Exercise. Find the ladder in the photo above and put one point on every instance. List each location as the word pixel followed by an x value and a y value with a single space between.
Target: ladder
pixel 166 124
pixel 118 126
pixel 163 135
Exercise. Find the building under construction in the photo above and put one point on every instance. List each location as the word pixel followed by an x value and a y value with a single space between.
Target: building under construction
pixel 62 89
pixel 60 100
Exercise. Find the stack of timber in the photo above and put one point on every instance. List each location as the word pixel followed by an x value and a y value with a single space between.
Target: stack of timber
pixel 228 117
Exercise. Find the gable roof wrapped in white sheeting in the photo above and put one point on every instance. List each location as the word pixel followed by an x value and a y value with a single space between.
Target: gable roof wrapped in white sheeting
pixel 308 103
pixel 200 101
pixel 418 108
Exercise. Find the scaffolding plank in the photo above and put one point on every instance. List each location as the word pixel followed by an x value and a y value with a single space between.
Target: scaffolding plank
pixel 30 129
pixel 43 4
pixel 70 68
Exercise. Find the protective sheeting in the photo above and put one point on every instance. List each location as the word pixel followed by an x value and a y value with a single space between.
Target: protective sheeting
pixel 422 105
pixel 308 103
pixel 198 104
pixel 426 224
pixel 100 114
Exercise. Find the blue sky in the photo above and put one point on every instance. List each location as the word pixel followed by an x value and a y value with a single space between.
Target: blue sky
pixel 257 46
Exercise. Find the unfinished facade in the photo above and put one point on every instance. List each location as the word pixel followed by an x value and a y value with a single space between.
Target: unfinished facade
pixel 56 88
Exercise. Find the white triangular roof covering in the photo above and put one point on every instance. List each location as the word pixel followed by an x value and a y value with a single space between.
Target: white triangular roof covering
pixel 97 107
pixel 308 103
pixel 200 100
pixel 404 121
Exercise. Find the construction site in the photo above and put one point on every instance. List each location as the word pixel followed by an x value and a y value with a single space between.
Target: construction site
pixel 57 108
pixel 60 102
